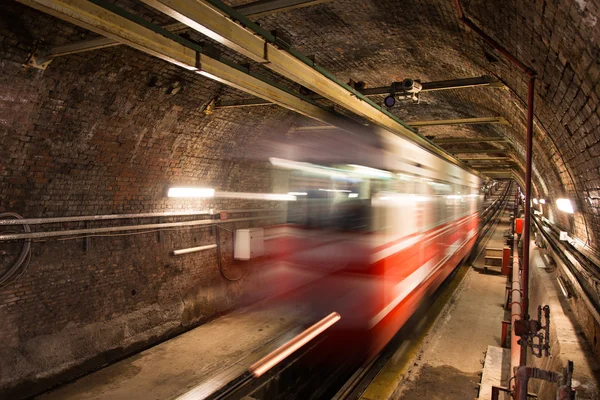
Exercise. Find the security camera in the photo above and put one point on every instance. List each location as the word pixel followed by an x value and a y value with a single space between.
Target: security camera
pixel 411 86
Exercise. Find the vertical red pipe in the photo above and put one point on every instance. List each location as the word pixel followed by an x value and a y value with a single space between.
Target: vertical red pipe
pixel 527 216
pixel 528 166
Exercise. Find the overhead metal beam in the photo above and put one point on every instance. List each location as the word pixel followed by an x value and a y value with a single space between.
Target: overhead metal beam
pixel 471 159
pixel 416 124
pixel 107 19
pixel 491 163
pixel 460 121
pixel 489 166
pixel 476 151
pixel 469 140
pixel 482 81
pixel 463 83
pixel 496 170
pixel 262 7
pixel 223 24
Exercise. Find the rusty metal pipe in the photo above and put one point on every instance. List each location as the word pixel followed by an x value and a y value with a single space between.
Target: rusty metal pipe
pixel 527 216
pixel 528 164
pixel 489 40
pixel 524 373
pixel 515 309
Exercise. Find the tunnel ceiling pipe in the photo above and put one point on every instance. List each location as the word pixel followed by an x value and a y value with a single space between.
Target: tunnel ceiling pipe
pixel 254 9
pixel 491 41
pixel 528 158
pixel 107 19
pixel 452 84
pixel 231 29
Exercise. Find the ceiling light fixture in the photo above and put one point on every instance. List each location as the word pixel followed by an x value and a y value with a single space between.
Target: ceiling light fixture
pixel 565 205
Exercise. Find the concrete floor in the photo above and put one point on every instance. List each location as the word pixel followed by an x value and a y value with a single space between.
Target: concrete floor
pixel 450 361
pixel 181 364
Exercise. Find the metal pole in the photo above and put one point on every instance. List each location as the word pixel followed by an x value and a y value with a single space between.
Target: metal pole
pixel 527 216
pixel 528 163
pixel 515 310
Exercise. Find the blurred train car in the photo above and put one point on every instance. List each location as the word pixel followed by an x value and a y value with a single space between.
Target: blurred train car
pixel 377 225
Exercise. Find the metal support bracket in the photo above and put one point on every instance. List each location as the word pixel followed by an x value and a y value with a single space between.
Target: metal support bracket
pixel 159 236
pixel 87 241
pixel 37 59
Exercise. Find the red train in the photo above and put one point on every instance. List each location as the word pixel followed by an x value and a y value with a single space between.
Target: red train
pixel 376 226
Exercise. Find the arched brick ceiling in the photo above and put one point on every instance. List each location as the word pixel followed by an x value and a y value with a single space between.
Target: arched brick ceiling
pixel 377 41
pixel 382 41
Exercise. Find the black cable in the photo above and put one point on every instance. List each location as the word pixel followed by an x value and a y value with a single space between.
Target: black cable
pixel 24 256
pixel 220 261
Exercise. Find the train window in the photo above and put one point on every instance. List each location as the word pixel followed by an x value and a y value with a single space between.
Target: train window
pixel 322 203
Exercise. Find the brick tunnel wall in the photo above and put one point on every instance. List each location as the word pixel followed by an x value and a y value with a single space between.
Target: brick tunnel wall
pixel 102 135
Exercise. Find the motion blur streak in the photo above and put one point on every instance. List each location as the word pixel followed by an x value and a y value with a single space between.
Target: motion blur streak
pixel 283 351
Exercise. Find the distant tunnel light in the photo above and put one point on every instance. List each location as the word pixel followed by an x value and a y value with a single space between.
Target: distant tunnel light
pixel 352 195
pixel 190 192
pixel 542 201
pixel 297 193
pixel 535 201
pixel 565 205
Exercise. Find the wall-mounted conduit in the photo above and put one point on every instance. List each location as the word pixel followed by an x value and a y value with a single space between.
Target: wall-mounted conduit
pixel 128 229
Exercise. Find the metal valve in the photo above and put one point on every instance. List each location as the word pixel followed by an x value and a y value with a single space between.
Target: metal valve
pixel 535 334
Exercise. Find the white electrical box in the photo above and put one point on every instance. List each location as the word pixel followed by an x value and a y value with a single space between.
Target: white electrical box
pixel 564 236
pixel 249 243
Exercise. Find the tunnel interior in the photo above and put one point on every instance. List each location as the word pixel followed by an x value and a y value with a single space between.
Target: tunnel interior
pixel 109 129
